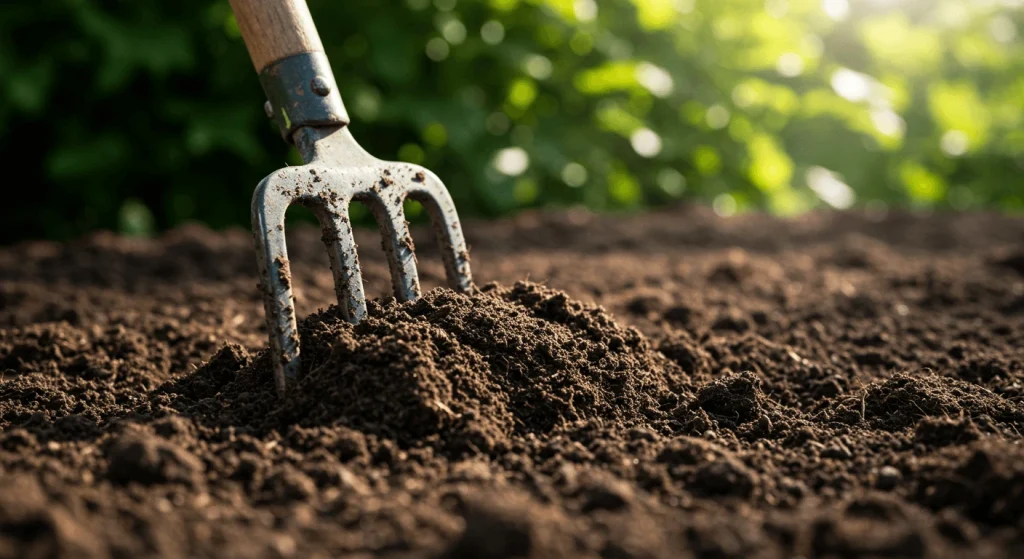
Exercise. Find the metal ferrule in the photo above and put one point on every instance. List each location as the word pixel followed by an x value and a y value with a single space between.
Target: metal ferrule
pixel 301 91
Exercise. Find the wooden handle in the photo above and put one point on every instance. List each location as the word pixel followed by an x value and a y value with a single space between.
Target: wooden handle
pixel 276 29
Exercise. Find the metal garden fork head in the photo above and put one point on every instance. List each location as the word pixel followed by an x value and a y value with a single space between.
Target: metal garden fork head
pixel 304 101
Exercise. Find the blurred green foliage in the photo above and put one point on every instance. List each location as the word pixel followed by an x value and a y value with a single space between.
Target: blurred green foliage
pixel 137 115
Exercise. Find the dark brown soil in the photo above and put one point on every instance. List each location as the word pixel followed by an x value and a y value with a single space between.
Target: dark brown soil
pixel 835 386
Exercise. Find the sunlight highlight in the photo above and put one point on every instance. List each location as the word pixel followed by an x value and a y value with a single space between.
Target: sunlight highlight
pixel 838 10
pixel 850 85
pixel 512 161
pixel 646 142
pixel 830 189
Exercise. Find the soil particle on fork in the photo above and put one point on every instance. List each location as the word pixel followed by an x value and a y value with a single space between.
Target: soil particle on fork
pixel 138 415
pixel 284 273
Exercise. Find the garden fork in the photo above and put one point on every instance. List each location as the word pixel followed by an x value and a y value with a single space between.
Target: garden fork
pixel 304 102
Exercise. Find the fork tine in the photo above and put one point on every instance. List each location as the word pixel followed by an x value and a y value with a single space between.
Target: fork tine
pixel 397 244
pixel 428 190
pixel 348 279
pixel 268 208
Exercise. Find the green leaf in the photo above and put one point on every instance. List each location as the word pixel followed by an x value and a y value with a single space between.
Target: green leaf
pixel 922 185
pixel 958 107
pixel 770 168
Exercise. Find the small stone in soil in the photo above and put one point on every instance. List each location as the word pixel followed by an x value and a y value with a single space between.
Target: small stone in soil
pixel 603 492
pixel 888 478
pixel 149 461
pixel 837 451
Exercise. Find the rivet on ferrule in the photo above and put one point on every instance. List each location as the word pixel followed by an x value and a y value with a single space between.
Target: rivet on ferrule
pixel 320 86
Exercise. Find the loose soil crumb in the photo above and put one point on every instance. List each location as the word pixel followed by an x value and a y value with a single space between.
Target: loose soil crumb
pixel 669 385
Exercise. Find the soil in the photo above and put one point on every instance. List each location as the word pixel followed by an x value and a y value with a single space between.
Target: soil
pixel 661 385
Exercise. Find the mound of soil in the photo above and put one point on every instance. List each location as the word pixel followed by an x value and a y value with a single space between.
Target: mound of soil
pixel 669 385
pixel 457 373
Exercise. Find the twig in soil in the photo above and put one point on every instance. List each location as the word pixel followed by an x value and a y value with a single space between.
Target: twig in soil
pixel 476 450
pixel 445 408
pixel 919 408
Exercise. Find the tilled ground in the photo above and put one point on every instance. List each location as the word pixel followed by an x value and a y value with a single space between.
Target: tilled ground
pixel 835 386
